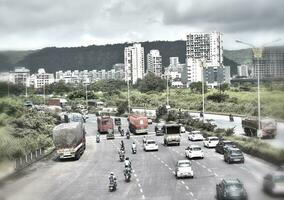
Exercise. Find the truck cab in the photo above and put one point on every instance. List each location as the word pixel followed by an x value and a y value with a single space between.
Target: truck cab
pixel 171 134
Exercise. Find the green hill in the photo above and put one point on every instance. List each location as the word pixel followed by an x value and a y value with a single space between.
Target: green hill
pixel 99 56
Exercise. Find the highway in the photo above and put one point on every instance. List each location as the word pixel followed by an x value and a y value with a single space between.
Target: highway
pixel 222 121
pixel 153 175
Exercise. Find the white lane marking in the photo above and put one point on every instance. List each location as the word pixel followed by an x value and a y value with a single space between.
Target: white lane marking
pixel 141 190
pixel 198 162
pixel 137 179
pixel 162 161
pixel 174 172
pixel 139 185
pixel 182 182
pixel 133 170
pixel 203 166
pixel 159 158
pixel 170 169
pixel 191 193
pixel 187 187
pixel 209 170
pixel 216 174
pixel 143 196
pixel 166 165
pixel 135 175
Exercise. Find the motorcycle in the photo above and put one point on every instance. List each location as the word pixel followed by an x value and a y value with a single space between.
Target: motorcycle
pixel 231 118
pixel 134 150
pixel 112 186
pixel 127 135
pixel 121 156
pixel 122 133
pixel 127 174
pixel 98 139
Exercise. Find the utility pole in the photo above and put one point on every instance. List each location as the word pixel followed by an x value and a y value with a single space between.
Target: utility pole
pixel 203 95
pixel 128 93
pixel 167 90
pixel 86 96
pixel 44 93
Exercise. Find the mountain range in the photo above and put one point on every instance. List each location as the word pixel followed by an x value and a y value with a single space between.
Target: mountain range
pixel 104 56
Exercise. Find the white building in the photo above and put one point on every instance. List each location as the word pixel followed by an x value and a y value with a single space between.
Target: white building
pixel 119 69
pixel 154 62
pixel 21 75
pixel 134 63
pixel 203 49
pixel 174 61
pixel 243 70
pixel 41 78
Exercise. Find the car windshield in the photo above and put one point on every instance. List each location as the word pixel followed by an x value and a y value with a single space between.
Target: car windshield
pixel 151 142
pixel 236 152
pixel 184 164
pixel 196 148
pixel 213 139
pixel 279 179
pixel 173 129
pixel 234 187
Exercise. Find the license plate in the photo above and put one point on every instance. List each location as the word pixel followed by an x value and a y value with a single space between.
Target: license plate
pixel 237 160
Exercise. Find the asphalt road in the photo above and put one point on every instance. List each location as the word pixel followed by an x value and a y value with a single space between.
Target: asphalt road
pixel 222 121
pixel 152 177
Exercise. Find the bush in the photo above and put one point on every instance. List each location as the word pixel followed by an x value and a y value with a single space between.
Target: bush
pixel 218 97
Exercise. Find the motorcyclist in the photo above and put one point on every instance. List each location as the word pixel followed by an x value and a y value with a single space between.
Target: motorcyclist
pixel 127 163
pixel 122 145
pixel 128 133
pixel 119 128
pixel 122 132
pixel 98 137
pixel 112 179
pixel 133 146
pixel 144 139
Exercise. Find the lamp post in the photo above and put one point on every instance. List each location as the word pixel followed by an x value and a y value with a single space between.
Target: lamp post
pixel 86 96
pixel 203 64
pixel 167 91
pixel 257 54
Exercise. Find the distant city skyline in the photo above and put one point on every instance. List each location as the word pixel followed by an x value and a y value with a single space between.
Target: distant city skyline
pixel 35 24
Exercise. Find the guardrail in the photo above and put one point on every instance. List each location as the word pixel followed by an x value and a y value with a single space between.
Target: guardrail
pixel 32 157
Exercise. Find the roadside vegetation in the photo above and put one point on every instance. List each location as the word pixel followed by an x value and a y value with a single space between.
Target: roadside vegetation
pixel 23 130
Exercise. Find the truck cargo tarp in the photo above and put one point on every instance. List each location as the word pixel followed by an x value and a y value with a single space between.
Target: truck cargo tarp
pixel 68 135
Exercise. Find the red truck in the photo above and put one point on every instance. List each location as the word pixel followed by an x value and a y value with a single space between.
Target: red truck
pixel 138 124
pixel 105 124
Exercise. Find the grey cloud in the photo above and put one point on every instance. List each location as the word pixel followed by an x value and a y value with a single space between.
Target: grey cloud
pixel 229 15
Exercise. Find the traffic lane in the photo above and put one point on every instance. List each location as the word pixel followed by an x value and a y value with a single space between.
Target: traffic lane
pixel 250 173
pixel 213 167
pixel 157 179
pixel 86 178
pixel 50 179
pixel 202 185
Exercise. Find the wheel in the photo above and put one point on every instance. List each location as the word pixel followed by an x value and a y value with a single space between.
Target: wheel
pixel 229 162
pixel 77 155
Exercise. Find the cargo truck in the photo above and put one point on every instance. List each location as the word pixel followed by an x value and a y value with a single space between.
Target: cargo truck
pixel 69 140
pixel 171 134
pixel 268 127
pixel 105 124
pixel 138 124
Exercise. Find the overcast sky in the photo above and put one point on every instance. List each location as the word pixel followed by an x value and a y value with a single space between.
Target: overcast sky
pixel 33 24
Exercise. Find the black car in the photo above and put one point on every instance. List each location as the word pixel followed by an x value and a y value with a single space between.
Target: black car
pixel 232 154
pixel 231 189
pixel 223 144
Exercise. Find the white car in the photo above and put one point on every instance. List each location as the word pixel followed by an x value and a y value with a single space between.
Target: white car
pixel 195 136
pixel 182 129
pixel 183 169
pixel 194 151
pixel 151 145
pixel 211 142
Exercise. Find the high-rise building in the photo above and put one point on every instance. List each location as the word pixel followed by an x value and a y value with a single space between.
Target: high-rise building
pixel 203 50
pixel 271 65
pixel 134 63
pixel 154 62
pixel 243 70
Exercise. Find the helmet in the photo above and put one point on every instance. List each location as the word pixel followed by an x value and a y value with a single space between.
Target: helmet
pixel 133 142
pixel 111 173
pixel 126 158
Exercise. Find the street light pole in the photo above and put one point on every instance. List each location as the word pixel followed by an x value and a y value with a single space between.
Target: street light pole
pixel 167 90
pixel 257 53
pixel 86 96
pixel 203 95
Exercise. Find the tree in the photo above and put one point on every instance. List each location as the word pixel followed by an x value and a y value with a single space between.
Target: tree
pixel 151 82
pixel 224 87
pixel 122 107
pixel 196 87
